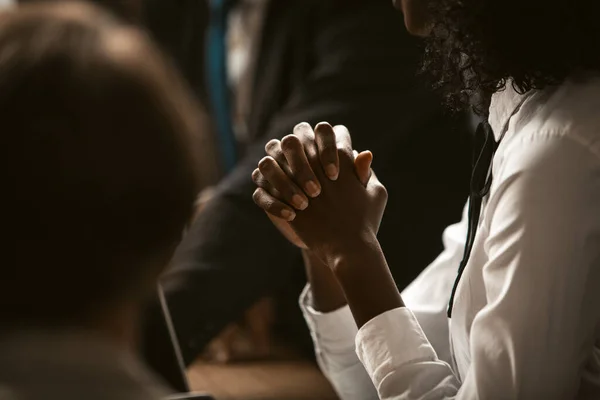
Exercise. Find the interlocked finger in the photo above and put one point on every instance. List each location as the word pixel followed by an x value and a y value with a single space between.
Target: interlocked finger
pixel 260 181
pixel 325 139
pixel 273 149
pixel 300 168
pixel 277 178
pixel 273 206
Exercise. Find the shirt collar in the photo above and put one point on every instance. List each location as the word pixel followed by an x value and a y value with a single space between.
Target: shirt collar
pixel 504 105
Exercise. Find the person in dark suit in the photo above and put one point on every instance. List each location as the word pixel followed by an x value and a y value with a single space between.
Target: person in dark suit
pixel 343 61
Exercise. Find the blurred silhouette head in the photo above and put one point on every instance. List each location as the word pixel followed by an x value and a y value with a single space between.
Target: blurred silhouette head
pixel 97 176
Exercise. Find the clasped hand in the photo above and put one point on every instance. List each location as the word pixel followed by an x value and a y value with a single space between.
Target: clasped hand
pixel 321 194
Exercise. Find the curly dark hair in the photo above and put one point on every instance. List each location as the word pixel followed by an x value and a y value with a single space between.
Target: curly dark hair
pixel 477 46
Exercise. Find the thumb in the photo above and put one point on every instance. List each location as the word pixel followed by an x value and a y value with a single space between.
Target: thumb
pixel 362 165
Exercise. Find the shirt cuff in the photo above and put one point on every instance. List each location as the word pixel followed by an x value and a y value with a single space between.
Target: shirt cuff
pixel 333 332
pixel 390 341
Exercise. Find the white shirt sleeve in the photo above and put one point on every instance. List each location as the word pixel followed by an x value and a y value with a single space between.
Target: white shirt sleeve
pixel 428 295
pixel 534 338
pixel 333 336
pixel 334 333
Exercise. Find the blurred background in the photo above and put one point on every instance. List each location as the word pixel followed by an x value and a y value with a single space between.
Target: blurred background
pixel 257 68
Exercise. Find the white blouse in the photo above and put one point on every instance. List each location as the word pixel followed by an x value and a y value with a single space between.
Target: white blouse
pixel 526 319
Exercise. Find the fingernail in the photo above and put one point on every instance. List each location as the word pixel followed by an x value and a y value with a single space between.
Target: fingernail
pixel 332 172
pixel 299 202
pixel 288 215
pixel 313 189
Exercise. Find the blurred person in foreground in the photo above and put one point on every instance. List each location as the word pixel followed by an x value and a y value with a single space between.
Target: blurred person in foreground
pixel 159 346
pixel 280 62
pixel 98 185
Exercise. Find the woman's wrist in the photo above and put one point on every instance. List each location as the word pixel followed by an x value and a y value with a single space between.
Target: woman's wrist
pixel 327 294
pixel 365 279
pixel 341 254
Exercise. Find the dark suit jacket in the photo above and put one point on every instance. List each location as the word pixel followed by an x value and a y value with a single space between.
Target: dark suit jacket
pixel 343 61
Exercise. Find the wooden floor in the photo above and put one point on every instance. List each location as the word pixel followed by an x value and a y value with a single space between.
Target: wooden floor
pixel 290 379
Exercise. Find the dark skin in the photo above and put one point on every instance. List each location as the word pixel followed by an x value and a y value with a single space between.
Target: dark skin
pixel 338 228
pixel 327 294
pixel 276 196
pixel 415 15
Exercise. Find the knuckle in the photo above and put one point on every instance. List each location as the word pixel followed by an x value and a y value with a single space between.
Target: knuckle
pixel 266 164
pixel 273 208
pixel 290 142
pixel 276 193
pixel 342 135
pixel 263 200
pixel 266 202
pixel 256 175
pixel 381 191
pixel 272 145
pixel 325 130
pixel 302 126
pixel 304 131
pixel 269 204
pixel 257 196
pixel 341 129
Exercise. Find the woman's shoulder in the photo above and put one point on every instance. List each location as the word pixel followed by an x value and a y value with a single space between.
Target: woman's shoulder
pixel 571 111
pixel 552 117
